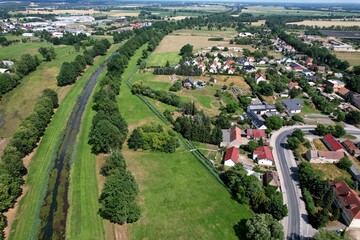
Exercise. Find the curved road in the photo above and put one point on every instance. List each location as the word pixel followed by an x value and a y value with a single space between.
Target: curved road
pixel 296 224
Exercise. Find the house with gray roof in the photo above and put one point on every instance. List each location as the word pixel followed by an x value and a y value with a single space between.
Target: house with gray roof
pixel 293 105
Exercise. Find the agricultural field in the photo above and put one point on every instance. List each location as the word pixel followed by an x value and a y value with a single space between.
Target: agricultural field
pixel 202 8
pixel 352 57
pixel 206 211
pixel 19 102
pixel 323 23
pixel 42 161
pixel 277 10
pixel 258 23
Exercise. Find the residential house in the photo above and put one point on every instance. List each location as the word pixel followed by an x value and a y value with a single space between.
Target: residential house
pixel 331 143
pixel 309 62
pixel 250 59
pixel 231 71
pixel 351 147
pixel 201 66
pixel 292 85
pixel 338 75
pixel 263 156
pixel 355 99
pixel 188 83
pixel 231 157
pixel 284 94
pixel 349 202
pixel 293 105
pixel 321 69
pixel 245 34
pixel 231 137
pixel 296 67
pixel 256 120
pixel 343 92
pixel 336 84
pixel 354 173
pixel 260 77
pixel 271 178
pixel 315 156
pixel 255 133
pixel 240 60
pixel 262 108
pixel 248 68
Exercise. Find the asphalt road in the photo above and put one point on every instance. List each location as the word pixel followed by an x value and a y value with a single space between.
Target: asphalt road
pixel 295 224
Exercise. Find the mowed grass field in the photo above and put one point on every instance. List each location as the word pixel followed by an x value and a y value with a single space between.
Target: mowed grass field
pixel 14 51
pixel 20 102
pixel 27 222
pixel 352 57
pixel 179 199
pixel 160 59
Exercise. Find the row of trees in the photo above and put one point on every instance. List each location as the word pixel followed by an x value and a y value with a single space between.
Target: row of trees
pixel 337 130
pixel 162 96
pixel 69 71
pixel 22 143
pixel 183 69
pixel 248 190
pixel 48 53
pixel 153 137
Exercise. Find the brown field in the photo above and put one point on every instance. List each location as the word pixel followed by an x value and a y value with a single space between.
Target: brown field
pixel 322 23
pixel 178 17
pixel 331 171
pixel 172 43
pixel 319 145
pixel 258 23
pixel 352 57
pixel 46 11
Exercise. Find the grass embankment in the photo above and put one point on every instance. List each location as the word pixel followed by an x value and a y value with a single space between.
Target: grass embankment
pixel 27 223
pixel 83 222
pixel 20 102
pixel 178 197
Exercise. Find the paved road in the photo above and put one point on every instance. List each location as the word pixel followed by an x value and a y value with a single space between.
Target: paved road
pixel 296 224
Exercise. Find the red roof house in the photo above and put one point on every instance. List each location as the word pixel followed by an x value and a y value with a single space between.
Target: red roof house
pixel 231 137
pixel 349 202
pixel 331 142
pixel 231 156
pixel 293 85
pixel 255 133
pixel 350 147
pixel 263 155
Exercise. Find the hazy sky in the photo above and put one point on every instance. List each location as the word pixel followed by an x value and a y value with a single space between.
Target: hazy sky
pixel 292 1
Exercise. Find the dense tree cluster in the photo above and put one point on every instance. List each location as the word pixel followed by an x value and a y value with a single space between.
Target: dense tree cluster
pixel 337 130
pixel 162 96
pixel 153 137
pixel 248 190
pixel 198 128
pixel 48 53
pixel 117 200
pixel 264 226
pixel 318 194
pixel 27 64
pixel 68 39
pixel 22 143
pixel 69 71
pixel 119 37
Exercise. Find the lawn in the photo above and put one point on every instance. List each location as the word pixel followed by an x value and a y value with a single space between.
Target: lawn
pixel 178 196
pixel 27 226
pixel 160 59
pixel 83 222
pixel 14 51
pixel 20 102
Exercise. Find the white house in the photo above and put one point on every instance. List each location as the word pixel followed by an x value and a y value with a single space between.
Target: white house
pixel 231 157
pixel 260 77
pixel 263 156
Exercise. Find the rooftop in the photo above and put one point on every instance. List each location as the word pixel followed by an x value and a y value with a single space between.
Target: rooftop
pixel 263 152
pixel 293 104
pixel 233 154
pixel 331 140
pixel 348 197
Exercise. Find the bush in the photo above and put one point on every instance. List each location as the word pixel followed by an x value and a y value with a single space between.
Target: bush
pixel 344 163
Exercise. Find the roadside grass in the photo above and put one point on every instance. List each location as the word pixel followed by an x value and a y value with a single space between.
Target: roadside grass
pixel 331 171
pixel 83 222
pixel 27 222
pixel 349 136
pixel 14 51
pixel 319 145
pixel 19 102
pixel 160 59
pixel 178 196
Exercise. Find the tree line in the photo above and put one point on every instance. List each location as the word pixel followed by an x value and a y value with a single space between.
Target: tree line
pixel 108 133
pixel 69 71
pixel 153 137
pixel 23 67
pixel 23 142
